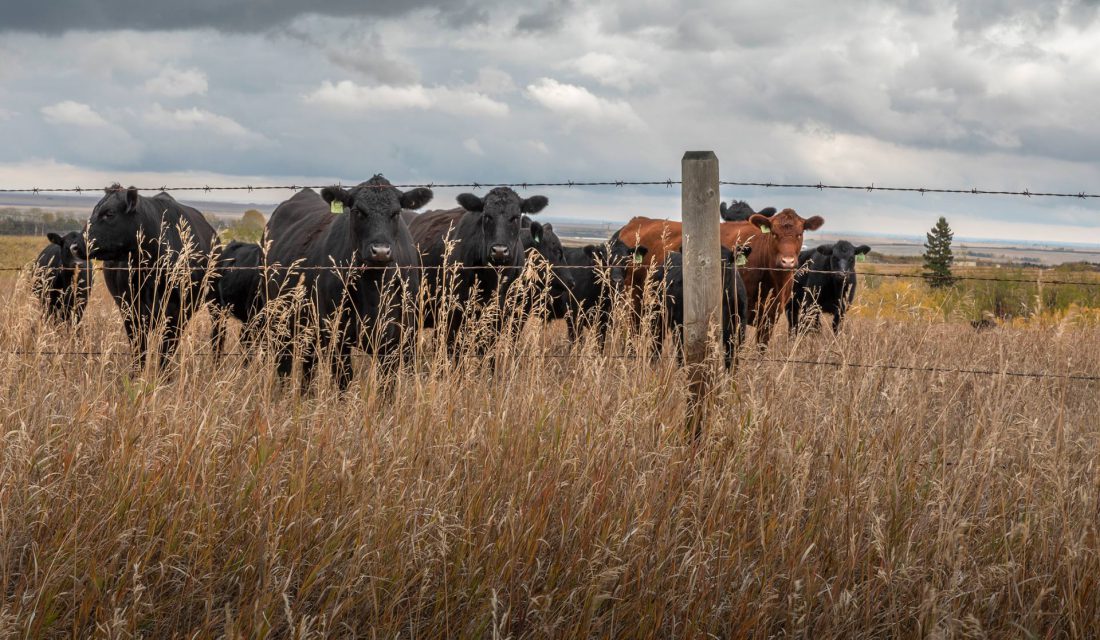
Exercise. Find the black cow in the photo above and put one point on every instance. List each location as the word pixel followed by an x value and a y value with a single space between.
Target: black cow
pixel 352 253
pixel 542 239
pixel 237 291
pixel 830 292
pixel 155 253
pixel 487 248
pixel 64 280
pixel 669 318
pixel 740 211
pixel 597 280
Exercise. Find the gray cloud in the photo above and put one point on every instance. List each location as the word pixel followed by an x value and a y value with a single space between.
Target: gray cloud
pixel 999 94
pixel 240 17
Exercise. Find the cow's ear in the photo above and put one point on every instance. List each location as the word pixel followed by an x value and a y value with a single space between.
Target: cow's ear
pixel 536 230
pixel 335 194
pixel 591 250
pixel 470 202
pixel 759 221
pixel 131 199
pixel 825 249
pixel 416 198
pixel 863 249
pixel 745 250
pixel 813 224
pixel 534 204
pixel 54 238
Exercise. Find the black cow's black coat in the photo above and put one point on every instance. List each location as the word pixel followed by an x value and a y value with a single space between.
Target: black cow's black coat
pixel 358 269
pixel 554 303
pixel 669 318
pixel 237 290
pixel 830 292
pixel 597 280
pixel 740 211
pixel 487 248
pixel 64 280
pixel 155 253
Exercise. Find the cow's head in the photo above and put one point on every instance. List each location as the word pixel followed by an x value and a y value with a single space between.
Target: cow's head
pixel 499 221
pixel 115 224
pixel 840 257
pixel 73 249
pixel 739 211
pixel 620 257
pixel 374 210
pixel 785 231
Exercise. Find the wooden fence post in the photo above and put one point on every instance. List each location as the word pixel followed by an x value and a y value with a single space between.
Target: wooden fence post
pixel 702 276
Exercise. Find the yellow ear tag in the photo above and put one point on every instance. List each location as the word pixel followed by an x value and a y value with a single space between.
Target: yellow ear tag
pixel 741 260
pixel 861 258
pixel 337 207
pixel 765 229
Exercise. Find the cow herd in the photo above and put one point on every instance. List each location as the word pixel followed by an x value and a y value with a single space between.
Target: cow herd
pixel 359 268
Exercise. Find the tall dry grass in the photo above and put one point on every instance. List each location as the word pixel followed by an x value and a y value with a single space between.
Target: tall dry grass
pixel 551 496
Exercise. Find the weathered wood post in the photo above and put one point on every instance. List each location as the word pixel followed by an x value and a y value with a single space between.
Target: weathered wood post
pixel 702 276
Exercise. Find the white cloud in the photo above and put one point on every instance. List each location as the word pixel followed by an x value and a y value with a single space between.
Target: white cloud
pixel 74 113
pixel 539 146
pixel 6 115
pixel 580 105
pixel 349 96
pixel 473 146
pixel 492 81
pixel 195 119
pixel 610 70
pixel 176 83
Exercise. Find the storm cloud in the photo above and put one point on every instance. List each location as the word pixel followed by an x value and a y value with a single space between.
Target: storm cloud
pixel 997 94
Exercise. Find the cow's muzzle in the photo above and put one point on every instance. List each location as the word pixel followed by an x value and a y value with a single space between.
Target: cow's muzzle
pixel 499 253
pixel 381 253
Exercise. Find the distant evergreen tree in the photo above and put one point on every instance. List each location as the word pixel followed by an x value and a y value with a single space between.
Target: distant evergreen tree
pixel 937 255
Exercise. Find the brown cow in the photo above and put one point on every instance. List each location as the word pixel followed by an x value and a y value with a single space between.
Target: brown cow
pixel 766 277
pixel 769 274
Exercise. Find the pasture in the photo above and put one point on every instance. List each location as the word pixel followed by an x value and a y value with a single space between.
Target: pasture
pixel 556 495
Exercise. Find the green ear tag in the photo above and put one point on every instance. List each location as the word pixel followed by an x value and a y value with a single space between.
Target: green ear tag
pixel 861 258
pixel 337 207
pixel 765 229
pixel 637 258
pixel 741 260
pixel 537 239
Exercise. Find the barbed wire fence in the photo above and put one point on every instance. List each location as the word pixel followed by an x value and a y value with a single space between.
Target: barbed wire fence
pixel 668 184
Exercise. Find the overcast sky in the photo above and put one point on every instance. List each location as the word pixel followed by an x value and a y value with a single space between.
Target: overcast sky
pixel 1001 94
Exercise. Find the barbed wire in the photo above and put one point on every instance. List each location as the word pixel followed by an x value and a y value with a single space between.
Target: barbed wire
pixel 1074 377
pixel 359 268
pixel 667 183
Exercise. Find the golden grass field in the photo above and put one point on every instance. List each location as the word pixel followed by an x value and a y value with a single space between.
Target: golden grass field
pixel 556 497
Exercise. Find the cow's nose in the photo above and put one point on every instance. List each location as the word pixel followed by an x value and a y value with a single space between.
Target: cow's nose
pixel 380 252
pixel 499 252
pixel 788 263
